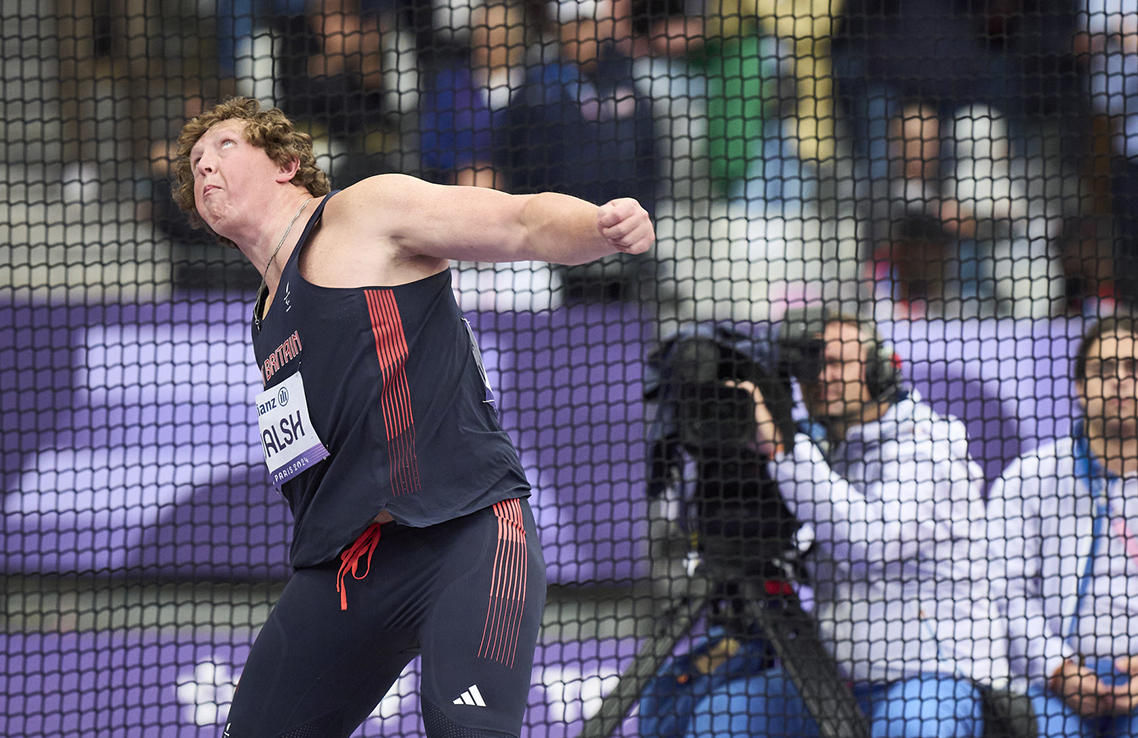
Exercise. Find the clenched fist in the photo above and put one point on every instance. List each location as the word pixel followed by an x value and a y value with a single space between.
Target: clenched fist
pixel 626 225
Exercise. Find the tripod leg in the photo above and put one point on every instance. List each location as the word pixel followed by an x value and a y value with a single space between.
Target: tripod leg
pixel 810 666
pixel 682 616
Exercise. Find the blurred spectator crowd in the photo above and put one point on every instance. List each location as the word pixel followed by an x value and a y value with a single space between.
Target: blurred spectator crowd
pixel 983 149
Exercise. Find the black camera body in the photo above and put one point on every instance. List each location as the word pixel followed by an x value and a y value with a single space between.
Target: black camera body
pixel 735 510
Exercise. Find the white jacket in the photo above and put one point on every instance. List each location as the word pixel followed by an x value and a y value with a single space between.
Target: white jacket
pixel 1041 525
pixel 901 571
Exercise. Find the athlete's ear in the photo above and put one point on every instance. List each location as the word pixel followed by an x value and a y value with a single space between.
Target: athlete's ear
pixel 288 171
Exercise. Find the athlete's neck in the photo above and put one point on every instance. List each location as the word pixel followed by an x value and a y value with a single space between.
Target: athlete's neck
pixel 259 246
pixel 271 256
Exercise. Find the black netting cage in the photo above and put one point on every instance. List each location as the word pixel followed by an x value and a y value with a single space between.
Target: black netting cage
pixel 849 450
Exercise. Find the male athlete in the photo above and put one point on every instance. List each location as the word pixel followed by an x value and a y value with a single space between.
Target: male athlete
pixel 412 532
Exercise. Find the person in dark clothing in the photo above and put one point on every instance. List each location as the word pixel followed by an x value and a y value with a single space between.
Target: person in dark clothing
pixel 458 109
pixel 412 533
pixel 997 85
pixel 588 134
pixel 581 125
pixel 1013 55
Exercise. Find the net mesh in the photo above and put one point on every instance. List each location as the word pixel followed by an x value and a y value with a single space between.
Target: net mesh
pixel 959 174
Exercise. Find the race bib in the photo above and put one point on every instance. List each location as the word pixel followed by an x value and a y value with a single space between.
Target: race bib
pixel 288 439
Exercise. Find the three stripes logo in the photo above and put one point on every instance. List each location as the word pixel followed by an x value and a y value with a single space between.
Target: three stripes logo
pixel 471 697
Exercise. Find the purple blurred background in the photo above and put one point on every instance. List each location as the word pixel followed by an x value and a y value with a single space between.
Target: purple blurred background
pixel 129 445
pixel 115 684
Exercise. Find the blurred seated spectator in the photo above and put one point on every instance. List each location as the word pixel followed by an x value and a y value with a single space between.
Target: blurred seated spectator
pixel 326 65
pixel 805 28
pixel 915 184
pixel 742 105
pixel 458 108
pixel 958 172
pixel 1088 271
pixel 240 24
pixel 1001 78
pixel 664 38
pixel 908 267
pixel 1016 242
pixel 1110 36
pixel 334 73
pixel 1013 55
pixel 717 77
pixel 793 61
pixel 167 217
pixel 757 133
pixel 581 125
pixel 659 29
pixel 717 99
pixel 913 194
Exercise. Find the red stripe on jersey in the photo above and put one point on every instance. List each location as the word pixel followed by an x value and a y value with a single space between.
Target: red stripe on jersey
pixel 395 397
pixel 507 587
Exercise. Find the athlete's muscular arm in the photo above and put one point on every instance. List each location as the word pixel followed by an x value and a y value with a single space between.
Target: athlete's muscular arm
pixel 478 224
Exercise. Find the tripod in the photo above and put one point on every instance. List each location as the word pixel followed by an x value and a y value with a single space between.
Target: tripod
pixel 773 607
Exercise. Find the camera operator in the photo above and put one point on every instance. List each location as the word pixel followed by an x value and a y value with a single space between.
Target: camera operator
pixel 745 547
pixel 899 563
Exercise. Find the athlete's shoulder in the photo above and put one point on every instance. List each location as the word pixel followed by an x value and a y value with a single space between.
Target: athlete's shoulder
pixel 383 204
pixel 379 192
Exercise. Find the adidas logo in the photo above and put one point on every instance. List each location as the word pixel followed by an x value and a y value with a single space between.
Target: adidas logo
pixel 471 697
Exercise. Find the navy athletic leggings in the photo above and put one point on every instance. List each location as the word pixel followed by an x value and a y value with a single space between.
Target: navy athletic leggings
pixel 467 594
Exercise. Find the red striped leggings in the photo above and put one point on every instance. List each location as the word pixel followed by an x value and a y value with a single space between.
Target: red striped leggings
pixel 467 594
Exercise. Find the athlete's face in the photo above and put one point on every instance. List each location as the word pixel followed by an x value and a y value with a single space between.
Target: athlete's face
pixel 229 174
pixel 1109 393
pixel 840 390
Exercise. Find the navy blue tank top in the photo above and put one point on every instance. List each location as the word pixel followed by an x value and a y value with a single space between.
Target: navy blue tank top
pixel 397 392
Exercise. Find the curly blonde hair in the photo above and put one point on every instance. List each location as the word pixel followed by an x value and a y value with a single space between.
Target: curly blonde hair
pixel 269 129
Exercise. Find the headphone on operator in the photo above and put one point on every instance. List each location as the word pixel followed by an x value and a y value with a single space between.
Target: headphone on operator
pixel 801 348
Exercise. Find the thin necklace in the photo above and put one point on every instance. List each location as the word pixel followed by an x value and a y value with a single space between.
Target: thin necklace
pixel 280 243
